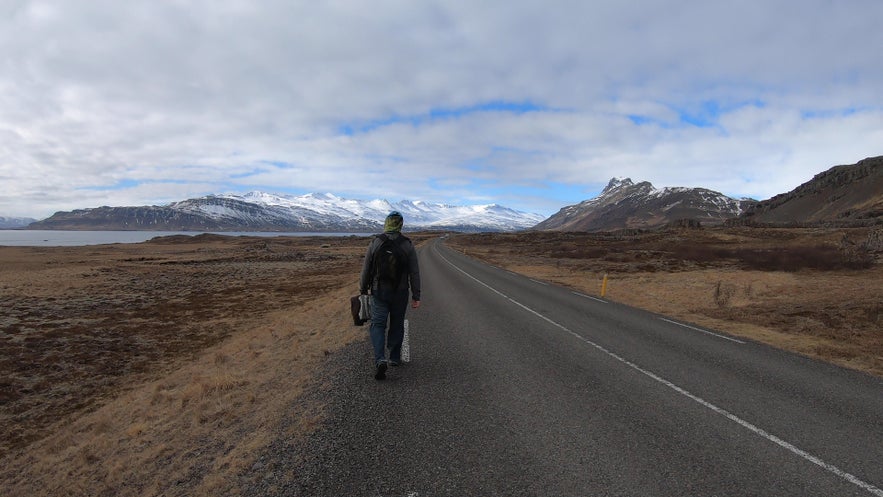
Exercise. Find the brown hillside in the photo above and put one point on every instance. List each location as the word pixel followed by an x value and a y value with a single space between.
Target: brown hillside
pixel 848 194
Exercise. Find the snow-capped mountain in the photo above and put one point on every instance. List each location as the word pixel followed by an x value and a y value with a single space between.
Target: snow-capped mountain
pixel 315 212
pixel 417 214
pixel 14 222
pixel 625 204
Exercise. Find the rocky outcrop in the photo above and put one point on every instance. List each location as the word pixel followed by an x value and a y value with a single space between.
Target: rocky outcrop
pixel 847 195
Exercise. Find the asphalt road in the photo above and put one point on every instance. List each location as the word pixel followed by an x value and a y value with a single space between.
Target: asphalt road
pixel 517 387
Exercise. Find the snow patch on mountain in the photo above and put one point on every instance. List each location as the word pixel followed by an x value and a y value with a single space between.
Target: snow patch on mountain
pixel 418 214
pixel 626 204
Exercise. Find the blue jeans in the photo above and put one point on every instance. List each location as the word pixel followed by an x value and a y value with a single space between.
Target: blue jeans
pixel 388 305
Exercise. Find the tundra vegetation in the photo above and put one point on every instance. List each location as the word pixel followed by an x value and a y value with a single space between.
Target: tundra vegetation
pixel 164 368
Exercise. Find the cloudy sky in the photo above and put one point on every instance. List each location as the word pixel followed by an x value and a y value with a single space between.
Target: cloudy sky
pixel 530 104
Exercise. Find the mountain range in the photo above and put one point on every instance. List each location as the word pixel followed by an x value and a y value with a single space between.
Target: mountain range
pixel 260 211
pixel 845 195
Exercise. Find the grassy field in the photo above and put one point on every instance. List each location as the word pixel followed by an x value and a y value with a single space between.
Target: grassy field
pixel 164 368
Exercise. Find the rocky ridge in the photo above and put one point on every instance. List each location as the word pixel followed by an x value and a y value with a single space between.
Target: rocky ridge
pixel 843 195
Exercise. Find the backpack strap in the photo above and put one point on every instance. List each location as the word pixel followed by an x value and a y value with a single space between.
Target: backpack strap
pixel 383 238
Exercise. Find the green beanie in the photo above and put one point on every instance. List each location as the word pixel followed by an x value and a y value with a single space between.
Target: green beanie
pixel 393 222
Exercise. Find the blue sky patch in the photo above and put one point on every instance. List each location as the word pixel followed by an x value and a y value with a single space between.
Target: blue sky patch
pixel 441 114
pixel 705 114
pixel 830 113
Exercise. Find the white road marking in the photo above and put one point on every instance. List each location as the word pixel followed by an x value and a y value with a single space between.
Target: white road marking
pixel 596 299
pixel 538 281
pixel 406 344
pixel 723 412
pixel 703 331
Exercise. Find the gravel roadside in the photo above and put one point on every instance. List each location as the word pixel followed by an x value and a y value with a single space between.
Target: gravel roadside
pixel 293 465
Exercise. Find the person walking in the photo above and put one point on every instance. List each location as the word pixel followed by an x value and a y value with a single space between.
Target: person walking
pixel 390 268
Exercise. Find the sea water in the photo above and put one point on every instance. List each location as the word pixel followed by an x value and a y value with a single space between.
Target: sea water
pixel 60 238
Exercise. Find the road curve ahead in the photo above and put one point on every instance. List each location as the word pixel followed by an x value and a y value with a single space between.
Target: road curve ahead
pixel 517 387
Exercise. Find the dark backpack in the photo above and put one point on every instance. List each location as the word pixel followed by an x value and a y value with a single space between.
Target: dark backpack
pixel 390 261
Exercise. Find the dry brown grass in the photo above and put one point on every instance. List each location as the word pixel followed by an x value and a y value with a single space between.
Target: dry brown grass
pixel 193 431
pixel 813 291
pixel 162 368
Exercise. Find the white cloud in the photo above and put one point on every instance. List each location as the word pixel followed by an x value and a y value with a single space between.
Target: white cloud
pixel 109 103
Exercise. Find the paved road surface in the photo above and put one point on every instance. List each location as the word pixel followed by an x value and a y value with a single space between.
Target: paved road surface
pixel 517 388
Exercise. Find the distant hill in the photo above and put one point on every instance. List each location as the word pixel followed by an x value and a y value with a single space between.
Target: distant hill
pixel 625 204
pixel 842 195
pixel 259 211
pixel 14 222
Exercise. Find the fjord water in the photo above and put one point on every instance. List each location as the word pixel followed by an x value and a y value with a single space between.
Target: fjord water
pixel 59 238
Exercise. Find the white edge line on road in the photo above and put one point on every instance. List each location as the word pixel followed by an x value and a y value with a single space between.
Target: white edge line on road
pixel 596 299
pixel 723 412
pixel 703 331
pixel 538 281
